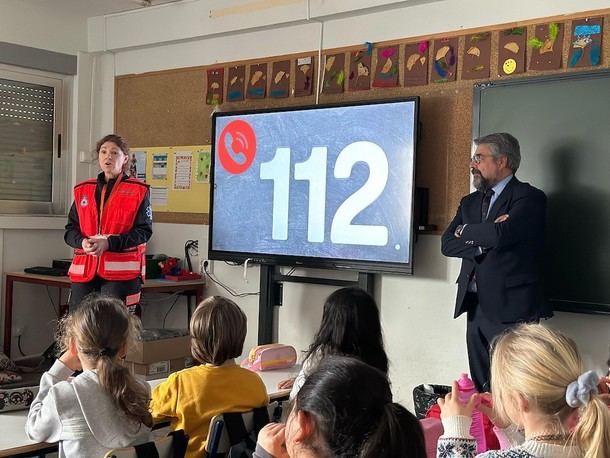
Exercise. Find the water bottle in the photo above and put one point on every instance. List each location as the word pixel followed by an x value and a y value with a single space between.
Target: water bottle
pixel 477 428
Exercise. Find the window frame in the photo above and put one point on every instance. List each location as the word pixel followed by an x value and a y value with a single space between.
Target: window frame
pixel 59 195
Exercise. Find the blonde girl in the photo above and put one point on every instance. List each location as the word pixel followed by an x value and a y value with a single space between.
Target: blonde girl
pixel 103 407
pixel 539 390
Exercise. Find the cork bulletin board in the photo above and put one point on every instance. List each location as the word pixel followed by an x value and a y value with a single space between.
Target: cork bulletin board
pixel 165 108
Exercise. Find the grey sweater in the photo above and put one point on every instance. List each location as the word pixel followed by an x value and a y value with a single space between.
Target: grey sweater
pixel 80 415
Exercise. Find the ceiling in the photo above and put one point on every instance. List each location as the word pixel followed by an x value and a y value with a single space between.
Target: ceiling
pixel 90 8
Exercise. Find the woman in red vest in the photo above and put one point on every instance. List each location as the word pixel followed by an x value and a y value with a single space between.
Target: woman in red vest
pixel 108 226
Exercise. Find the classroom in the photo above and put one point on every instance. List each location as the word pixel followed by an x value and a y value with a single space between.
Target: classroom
pixel 107 44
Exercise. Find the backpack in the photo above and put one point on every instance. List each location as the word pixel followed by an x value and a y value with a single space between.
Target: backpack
pixel 243 443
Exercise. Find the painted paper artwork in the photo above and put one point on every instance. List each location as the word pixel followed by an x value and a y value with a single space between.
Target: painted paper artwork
pixel 416 63
pixel 546 46
pixel 511 51
pixel 257 82
pixel 334 74
pixel 444 61
pixel 303 79
pixel 280 79
pixel 477 55
pixel 359 70
pixel 386 73
pixel 215 86
pixel 586 45
pixel 236 84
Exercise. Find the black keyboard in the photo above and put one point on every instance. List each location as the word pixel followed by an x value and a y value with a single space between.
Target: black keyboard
pixel 42 270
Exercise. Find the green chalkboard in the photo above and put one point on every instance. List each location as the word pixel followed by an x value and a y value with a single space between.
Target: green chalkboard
pixel 563 125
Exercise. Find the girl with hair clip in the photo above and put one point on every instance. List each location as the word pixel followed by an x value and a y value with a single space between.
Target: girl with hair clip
pixel 104 407
pixel 344 409
pixel 539 391
pixel 350 327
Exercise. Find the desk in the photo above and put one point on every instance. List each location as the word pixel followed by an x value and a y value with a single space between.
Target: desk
pixel 190 287
pixel 13 441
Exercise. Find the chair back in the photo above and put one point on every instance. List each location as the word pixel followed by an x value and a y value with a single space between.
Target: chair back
pixel 230 428
pixel 171 446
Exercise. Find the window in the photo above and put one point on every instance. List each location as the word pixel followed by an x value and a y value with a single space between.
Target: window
pixel 32 171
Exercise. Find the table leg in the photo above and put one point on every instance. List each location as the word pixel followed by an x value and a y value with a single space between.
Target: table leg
pixel 8 315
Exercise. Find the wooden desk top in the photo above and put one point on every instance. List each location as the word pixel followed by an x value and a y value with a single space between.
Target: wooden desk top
pixel 148 284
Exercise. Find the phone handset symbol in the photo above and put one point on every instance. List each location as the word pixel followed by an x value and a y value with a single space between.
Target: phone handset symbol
pixel 236 147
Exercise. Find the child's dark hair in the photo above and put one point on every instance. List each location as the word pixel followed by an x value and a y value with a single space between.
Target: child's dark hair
pixel 351 405
pixel 350 326
pixel 218 330
pixel 102 327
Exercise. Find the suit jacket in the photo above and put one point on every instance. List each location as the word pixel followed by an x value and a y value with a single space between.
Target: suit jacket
pixel 508 272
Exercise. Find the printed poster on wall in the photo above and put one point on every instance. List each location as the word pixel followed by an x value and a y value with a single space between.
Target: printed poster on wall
pixel 159 166
pixel 137 165
pixel 183 170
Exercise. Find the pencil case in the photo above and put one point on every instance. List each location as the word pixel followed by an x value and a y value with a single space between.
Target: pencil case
pixel 270 356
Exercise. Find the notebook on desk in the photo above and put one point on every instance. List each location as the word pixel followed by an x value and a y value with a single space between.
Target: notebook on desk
pixel 43 270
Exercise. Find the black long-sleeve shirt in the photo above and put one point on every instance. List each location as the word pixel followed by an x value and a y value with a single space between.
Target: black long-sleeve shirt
pixel 139 233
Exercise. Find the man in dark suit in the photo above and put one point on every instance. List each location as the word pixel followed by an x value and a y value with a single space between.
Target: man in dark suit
pixel 498 232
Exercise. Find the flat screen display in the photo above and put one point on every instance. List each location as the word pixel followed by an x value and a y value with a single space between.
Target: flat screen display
pixel 321 186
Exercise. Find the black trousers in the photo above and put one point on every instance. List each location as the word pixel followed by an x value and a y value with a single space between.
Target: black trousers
pixel 126 290
pixel 480 333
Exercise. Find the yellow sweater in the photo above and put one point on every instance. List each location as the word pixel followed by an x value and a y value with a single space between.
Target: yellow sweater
pixel 191 397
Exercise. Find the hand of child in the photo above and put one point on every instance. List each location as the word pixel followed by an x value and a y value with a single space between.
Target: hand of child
pixel 286 384
pixel 486 407
pixel 603 386
pixel 273 440
pixel 451 406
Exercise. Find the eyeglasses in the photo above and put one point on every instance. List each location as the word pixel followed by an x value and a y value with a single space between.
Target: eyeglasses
pixel 477 158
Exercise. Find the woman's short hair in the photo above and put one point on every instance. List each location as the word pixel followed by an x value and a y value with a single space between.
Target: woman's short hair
pixel 218 331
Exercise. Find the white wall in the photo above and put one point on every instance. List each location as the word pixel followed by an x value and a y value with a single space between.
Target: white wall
pixel 424 343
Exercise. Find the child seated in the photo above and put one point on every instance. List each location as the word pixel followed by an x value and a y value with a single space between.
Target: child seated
pixel 104 407
pixel 350 326
pixel 344 409
pixel 539 389
pixel 191 397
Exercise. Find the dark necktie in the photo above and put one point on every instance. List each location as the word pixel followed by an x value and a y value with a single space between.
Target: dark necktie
pixel 485 206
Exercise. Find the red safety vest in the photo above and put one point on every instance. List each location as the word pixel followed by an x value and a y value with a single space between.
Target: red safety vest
pixel 118 216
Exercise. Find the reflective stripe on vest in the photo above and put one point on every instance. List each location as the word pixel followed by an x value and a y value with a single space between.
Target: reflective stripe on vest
pixel 122 266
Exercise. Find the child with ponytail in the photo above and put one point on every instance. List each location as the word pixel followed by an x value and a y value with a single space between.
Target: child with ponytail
pixel 344 409
pixel 104 407
pixel 545 404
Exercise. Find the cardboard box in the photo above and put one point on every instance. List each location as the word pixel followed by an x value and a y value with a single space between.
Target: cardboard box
pixel 158 369
pixel 147 352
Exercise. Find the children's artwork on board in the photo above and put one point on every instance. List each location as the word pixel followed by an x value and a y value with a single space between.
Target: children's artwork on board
pixel 386 72
pixel 477 55
pixel 334 74
pixel 303 79
pixel 444 62
pixel 204 161
pixel 280 79
pixel 257 82
pixel 416 63
pixel 546 46
pixel 236 83
pixel 511 51
pixel 359 70
pixel 215 85
pixel 586 45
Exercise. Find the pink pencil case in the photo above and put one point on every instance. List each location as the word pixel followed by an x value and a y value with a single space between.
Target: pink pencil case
pixel 270 356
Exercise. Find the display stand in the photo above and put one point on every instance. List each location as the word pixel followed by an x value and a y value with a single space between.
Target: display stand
pixel 271 281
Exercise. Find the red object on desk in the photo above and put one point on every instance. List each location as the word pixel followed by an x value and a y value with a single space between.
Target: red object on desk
pixel 183 276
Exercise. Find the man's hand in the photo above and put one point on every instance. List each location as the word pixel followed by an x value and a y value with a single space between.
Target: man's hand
pixel 272 438
pixel 501 218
